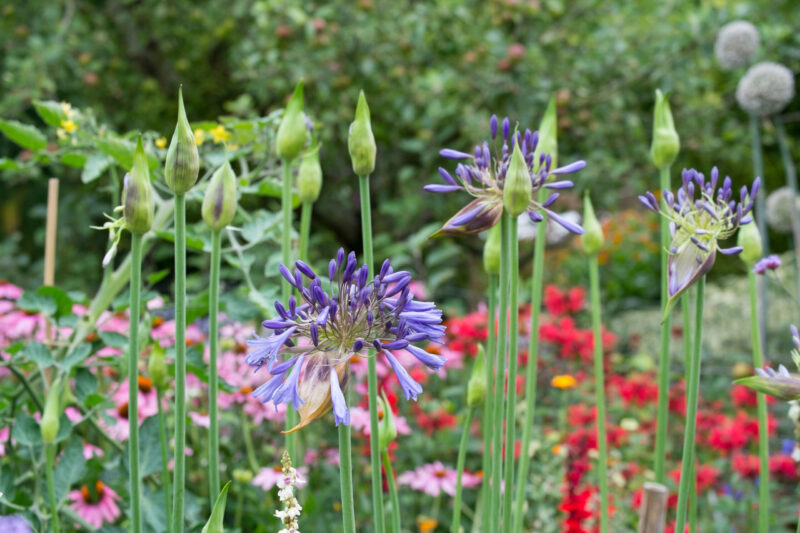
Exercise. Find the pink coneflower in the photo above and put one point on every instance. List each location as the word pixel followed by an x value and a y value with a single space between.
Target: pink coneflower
pixel 268 477
pixel 148 406
pixel 4 432
pixel 96 507
pixel 90 451
pixel 9 291
pixel 435 478
pixel 359 420
pixel 200 419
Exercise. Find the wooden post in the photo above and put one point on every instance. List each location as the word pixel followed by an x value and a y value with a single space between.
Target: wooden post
pixel 653 511
pixel 50 242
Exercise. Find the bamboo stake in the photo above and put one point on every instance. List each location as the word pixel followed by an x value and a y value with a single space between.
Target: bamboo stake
pixel 653 511
pixel 50 243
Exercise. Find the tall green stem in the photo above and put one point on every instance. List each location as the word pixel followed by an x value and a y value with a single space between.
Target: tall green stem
pixel 761 220
pixel 462 454
pixel 133 384
pixel 286 257
pixel 663 360
pixel 387 465
pixel 372 374
pixel 213 348
pixel 162 435
pixel 791 180
pixel 763 431
pixel 686 314
pixel 346 472
pixel 532 374
pixel 489 426
pixel 599 391
pixel 511 388
pixel 305 229
pixel 50 453
pixel 693 389
pixel 179 479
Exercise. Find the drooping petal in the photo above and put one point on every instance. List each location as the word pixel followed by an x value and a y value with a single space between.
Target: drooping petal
pixel 430 360
pixel 411 389
pixel 341 413
pixel 684 268
pixel 316 390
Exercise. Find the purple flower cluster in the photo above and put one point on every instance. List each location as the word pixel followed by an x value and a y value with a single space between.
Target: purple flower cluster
pixel 326 328
pixel 483 174
pixel 771 262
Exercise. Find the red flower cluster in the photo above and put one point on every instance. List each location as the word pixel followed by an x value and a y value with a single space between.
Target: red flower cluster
pixel 558 302
pixel 637 389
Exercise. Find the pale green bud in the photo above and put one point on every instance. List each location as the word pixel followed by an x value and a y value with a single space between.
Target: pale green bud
pixel 361 141
pixel 309 177
pixel 157 368
pixel 292 132
pixel 476 387
pixel 491 251
pixel 387 431
pixel 592 238
pixel 214 524
pixel 52 411
pixel 666 142
pixel 517 187
pixel 242 475
pixel 183 161
pixel 749 239
pixel 219 203
pixel 548 135
pixel 137 194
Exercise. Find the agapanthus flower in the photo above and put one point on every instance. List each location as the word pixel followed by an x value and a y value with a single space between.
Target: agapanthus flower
pixel 701 215
pixel 771 262
pixel 321 333
pixel 483 174
pixel 779 384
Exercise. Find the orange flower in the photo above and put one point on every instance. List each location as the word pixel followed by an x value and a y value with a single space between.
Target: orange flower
pixel 563 381
pixel 426 525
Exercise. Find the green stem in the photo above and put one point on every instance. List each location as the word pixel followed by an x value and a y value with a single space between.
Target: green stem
pixel 488 421
pixel 133 383
pixel 213 348
pixel 531 375
pixel 791 180
pixel 162 435
pixel 763 432
pixel 248 443
pixel 663 361
pixel 462 454
pixel 761 220
pixel 179 481
pixel 693 389
pixel 346 472
pixel 686 314
pixel 286 257
pixel 50 453
pixel 511 388
pixel 599 390
pixel 372 374
pixel 387 465
pixel 305 229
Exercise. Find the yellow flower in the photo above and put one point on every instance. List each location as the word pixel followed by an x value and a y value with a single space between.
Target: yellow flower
pixel 199 136
pixel 69 126
pixel 220 134
pixel 66 108
pixel 161 142
pixel 61 134
pixel 563 381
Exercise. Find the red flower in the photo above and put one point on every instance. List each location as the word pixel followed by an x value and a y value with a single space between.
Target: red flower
pixel 746 465
pixel 784 468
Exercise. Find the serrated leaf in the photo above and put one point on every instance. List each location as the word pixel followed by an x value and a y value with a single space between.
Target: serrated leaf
pixel 153 512
pixel 149 448
pixel 60 297
pixel 85 384
pixel 94 399
pixel 26 431
pixel 75 357
pixel 71 468
pixel 51 112
pixel 24 135
pixel 95 165
pixel 260 223
pixel 37 303
pixel 113 339
pixel 38 353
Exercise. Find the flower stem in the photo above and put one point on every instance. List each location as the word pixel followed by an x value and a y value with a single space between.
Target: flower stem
pixel 346 472
pixel 179 480
pixel 213 348
pixel 162 435
pixel 687 351
pixel 511 388
pixel 761 220
pixel 462 453
pixel 372 374
pixel 531 375
pixel 599 390
pixel 387 465
pixel 305 229
pixel 791 180
pixel 248 443
pixel 489 426
pixel 50 453
pixel 133 383
pixel 286 257
pixel 693 389
pixel 763 431
pixel 663 361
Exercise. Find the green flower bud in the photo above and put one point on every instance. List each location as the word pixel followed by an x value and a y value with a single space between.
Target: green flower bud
pixel 517 187
pixel 749 239
pixel 52 411
pixel 157 367
pixel 242 475
pixel 309 177
pixel 214 524
pixel 476 387
pixel 137 194
pixel 491 251
pixel 548 135
pixel 361 141
pixel 666 142
pixel 592 238
pixel 387 431
pixel 292 132
pixel 183 161
pixel 219 203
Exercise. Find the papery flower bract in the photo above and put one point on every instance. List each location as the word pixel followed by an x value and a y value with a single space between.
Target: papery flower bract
pixel 320 334
pixel 484 174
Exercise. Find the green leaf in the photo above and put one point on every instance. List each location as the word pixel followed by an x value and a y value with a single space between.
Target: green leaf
pixel 24 135
pixel 155 277
pixel 153 512
pixel 95 165
pixel 260 223
pixel 37 303
pixel 64 429
pixel 60 297
pixel 149 447
pixel 85 384
pixel 70 469
pixel 191 242
pixel 214 524
pixel 113 339
pixel 122 152
pixel 94 399
pixel 38 353
pixel 272 188
pixel 76 357
pixel 8 164
pixel 51 112
pixel 26 431
pixel 73 160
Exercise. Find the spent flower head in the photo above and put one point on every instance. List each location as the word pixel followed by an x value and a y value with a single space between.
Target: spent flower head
pixel 765 89
pixel 737 44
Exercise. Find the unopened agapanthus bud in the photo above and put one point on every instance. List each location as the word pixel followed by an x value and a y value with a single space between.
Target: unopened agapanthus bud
pixel 491 251
pixel 387 431
pixel 749 239
pixel 137 194
pixel 666 143
pixel 592 238
pixel 548 135
pixel 219 203
pixel 292 133
pixel 476 387
pixel 361 141
pixel 309 177
pixel 157 367
pixel 52 411
pixel 183 161
pixel 517 187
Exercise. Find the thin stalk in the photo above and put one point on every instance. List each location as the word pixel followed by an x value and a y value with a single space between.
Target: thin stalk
pixel 599 390
pixel 162 436
pixel 346 473
pixel 531 374
pixel 488 420
pixel 305 229
pixel 462 454
pixel 761 220
pixel 133 384
pixel 395 517
pixel 179 481
pixel 248 443
pixel 50 454
pixel 686 314
pixel 663 360
pixel 286 257
pixel 511 388
pixel 791 180
pixel 213 348
pixel 763 432
pixel 372 374
pixel 693 389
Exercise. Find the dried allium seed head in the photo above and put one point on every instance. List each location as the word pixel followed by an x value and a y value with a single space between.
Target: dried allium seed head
pixel 765 89
pixel 737 44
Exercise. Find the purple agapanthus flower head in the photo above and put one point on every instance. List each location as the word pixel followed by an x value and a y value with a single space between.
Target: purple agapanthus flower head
pixel 771 262
pixel 15 523
pixel 308 354
pixel 700 215
pixel 482 174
